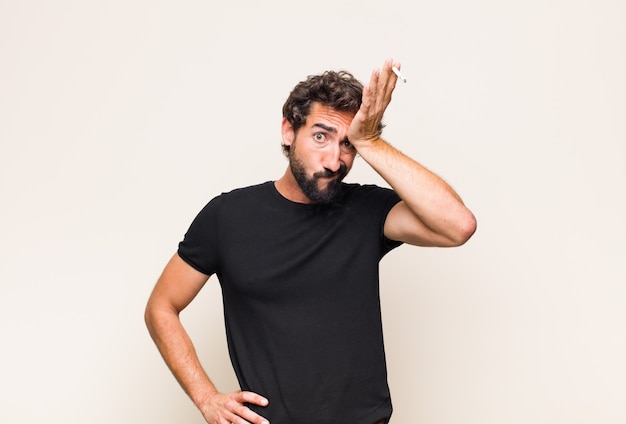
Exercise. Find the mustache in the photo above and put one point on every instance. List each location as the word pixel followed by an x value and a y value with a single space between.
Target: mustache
pixel 327 173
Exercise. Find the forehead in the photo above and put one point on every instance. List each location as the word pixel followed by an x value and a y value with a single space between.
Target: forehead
pixel 322 114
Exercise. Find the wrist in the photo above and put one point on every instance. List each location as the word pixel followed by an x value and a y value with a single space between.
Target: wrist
pixel 364 144
pixel 202 398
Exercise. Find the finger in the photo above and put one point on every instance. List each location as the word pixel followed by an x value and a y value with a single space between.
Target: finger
pixel 252 398
pixel 386 75
pixel 238 413
pixel 246 415
pixel 370 92
pixel 388 81
pixel 374 91
pixel 395 77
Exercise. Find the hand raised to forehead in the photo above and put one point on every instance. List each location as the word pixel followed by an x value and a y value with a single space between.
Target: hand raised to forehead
pixel 376 97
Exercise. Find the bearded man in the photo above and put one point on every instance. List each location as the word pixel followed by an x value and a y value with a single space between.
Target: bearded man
pixel 298 263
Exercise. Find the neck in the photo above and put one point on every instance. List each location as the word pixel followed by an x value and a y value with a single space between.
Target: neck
pixel 289 188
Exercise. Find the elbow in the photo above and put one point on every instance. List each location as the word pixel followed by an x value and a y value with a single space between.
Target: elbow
pixel 153 315
pixel 155 321
pixel 465 229
pixel 149 317
pixel 159 315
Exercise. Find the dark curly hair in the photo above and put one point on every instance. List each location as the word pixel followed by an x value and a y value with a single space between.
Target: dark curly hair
pixel 339 90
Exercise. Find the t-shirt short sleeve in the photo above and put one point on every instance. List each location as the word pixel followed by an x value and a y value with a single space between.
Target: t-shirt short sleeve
pixel 382 200
pixel 199 247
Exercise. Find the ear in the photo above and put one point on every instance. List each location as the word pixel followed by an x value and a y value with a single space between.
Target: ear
pixel 287 132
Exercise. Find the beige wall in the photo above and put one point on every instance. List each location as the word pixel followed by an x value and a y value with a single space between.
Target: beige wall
pixel 120 119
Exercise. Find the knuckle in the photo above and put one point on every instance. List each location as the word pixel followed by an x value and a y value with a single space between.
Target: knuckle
pixel 231 405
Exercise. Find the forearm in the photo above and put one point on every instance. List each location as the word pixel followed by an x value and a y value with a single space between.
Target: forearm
pixel 176 287
pixel 179 354
pixel 429 197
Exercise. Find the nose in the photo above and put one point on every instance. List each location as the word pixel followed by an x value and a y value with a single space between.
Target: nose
pixel 332 157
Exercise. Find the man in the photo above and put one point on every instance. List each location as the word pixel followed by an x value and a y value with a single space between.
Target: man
pixel 298 259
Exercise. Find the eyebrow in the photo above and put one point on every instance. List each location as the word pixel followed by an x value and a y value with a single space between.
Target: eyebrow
pixel 329 129
pixel 325 127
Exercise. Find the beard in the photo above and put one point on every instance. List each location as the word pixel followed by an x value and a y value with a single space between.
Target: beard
pixel 310 186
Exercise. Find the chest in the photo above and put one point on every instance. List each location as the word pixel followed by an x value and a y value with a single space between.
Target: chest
pixel 297 253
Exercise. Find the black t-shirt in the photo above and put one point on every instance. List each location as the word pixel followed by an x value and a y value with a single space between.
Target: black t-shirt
pixel 301 299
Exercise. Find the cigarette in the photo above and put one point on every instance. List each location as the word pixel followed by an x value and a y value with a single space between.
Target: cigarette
pixel 397 72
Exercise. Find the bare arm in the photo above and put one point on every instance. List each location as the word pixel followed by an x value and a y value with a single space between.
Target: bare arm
pixel 175 289
pixel 431 213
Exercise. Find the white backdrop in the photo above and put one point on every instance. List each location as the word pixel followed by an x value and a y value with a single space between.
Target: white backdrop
pixel 119 120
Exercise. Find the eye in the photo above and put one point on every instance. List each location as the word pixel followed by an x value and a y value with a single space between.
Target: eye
pixel 346 146
pixel 319 137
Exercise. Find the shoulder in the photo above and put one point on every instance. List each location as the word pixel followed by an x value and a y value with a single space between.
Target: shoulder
pixel 370 199
pixel 261 188
pixel 237 199
pixel 369 192
pixel 244 194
